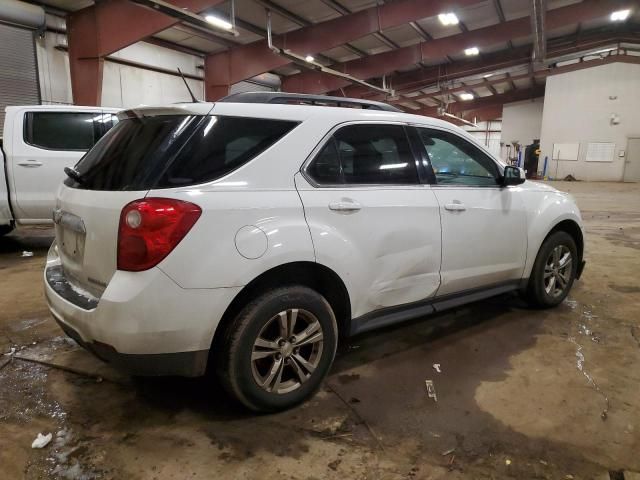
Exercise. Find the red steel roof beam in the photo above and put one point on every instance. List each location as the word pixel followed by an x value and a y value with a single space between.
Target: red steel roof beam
pixel 458 107
pixel 384 63
pixel 245 61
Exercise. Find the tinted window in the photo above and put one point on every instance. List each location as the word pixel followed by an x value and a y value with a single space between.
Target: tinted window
pixel 174 150
pixel 367 154
pixel 61 130
pixel 221 145
pixel 456 161
pixel 325 169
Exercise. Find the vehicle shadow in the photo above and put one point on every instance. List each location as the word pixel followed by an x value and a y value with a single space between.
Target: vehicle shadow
pixel 207 397
pixel 30 239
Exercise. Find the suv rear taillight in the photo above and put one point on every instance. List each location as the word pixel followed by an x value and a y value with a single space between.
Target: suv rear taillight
pixel 150 228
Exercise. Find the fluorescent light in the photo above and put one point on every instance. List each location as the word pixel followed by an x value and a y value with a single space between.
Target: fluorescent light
pixel 447 19
pixel 309 58
pixel 218 22
pixel 466 96
pixel 488 75
pixel 471 51
pixel 620 15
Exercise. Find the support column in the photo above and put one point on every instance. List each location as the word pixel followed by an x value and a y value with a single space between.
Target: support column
pixel 217 76
pixel 85 63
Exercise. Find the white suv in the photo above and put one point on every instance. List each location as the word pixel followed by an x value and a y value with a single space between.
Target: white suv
pixel 250 234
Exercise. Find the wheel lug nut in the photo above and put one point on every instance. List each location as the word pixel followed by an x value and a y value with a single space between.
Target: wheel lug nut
pixel 281 343
pixel 292 339
pixel 278 356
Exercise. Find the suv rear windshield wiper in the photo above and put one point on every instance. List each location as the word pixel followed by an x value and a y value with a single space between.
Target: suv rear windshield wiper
pixel 73 175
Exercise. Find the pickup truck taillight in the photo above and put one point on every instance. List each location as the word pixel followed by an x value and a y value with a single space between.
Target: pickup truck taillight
pixel 150 228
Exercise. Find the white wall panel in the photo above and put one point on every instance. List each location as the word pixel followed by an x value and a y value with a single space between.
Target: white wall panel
pixel 522 121
pixel 122 85
pixel 578 107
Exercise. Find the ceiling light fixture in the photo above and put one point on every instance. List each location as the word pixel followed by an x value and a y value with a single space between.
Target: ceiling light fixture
pixel 620 15
pixel 471 51
pixel 466 96
pixel 218 22
pixel 447 19
pixel 488 75
pixel 309 58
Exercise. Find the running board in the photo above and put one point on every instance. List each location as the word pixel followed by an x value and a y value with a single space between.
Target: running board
pixel 409 311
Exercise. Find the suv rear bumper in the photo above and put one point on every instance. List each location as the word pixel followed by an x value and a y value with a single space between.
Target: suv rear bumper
pixel 184 364
pixel 143 323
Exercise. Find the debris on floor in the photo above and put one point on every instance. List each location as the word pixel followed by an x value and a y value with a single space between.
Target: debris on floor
pixel 507 462
pixel 448 452
pixel 26 253
pixel 431 390
pixel 41 440
pixel 570 178
pixel 436 367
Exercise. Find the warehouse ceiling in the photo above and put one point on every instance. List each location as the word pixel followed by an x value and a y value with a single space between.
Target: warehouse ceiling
pixel 502 69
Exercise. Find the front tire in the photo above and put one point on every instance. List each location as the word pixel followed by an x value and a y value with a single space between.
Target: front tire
pixel 279 349
pixel 554 271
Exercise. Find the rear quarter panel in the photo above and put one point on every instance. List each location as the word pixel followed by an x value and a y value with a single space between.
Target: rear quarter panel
pixel 210 255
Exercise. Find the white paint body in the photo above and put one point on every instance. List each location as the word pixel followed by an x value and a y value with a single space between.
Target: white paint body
pixel 33 174
pixel 403 245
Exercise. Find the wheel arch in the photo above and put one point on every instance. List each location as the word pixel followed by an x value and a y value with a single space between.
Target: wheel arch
pixel 313 275
pixel 572 228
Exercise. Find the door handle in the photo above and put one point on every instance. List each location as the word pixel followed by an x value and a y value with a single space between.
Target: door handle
pixel 30 164
pixel 455 207
pixel 345 206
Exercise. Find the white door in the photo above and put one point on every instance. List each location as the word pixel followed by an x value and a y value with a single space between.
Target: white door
pixel 484 239
pixel 370 219
pixel 632 161
pixel 51 140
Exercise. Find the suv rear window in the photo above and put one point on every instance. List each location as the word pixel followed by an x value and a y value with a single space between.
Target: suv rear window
pixel 175 150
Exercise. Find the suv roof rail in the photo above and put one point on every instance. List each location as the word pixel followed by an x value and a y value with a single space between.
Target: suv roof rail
pixel 322 100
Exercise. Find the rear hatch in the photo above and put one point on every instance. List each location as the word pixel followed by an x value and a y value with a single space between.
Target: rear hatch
pixel 122 167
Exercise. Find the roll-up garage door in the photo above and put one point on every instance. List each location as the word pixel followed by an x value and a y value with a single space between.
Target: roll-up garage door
pixel 18 71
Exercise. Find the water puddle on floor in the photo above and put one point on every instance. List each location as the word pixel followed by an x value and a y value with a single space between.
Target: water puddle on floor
pixel 585 330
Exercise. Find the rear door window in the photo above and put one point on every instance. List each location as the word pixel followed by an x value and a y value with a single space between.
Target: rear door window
pixel 366 154
pixel 62 130
pixel 164 151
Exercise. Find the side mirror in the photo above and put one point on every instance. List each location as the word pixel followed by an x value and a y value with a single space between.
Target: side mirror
pixel 512 176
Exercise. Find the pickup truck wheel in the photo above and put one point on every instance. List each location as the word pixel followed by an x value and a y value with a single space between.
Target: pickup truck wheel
pixel 279 349
pixel 5 229
pixel 553 271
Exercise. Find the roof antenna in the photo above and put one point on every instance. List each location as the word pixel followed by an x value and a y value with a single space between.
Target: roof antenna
pixel 193 97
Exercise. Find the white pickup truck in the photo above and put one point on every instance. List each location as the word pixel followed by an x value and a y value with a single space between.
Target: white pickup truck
pixel 38 142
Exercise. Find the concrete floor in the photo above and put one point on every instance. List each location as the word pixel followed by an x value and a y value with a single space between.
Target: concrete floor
pixel 522 393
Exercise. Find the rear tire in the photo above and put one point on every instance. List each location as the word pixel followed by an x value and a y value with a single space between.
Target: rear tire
pixel 554 271
pixel 278 349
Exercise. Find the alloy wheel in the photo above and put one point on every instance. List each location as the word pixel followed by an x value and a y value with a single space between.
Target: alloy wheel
pixel 557 271
pixel 287 351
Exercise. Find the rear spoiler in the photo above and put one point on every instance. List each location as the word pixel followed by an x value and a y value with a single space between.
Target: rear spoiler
pixel 175 109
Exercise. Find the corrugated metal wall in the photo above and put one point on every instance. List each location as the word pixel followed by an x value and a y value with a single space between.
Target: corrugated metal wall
pixel 18 73
pixel 250 87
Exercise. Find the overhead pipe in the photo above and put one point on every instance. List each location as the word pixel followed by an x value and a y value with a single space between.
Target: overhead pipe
pixel 538 14
pixel 22 14
pixel 189 17
pixel 305 62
